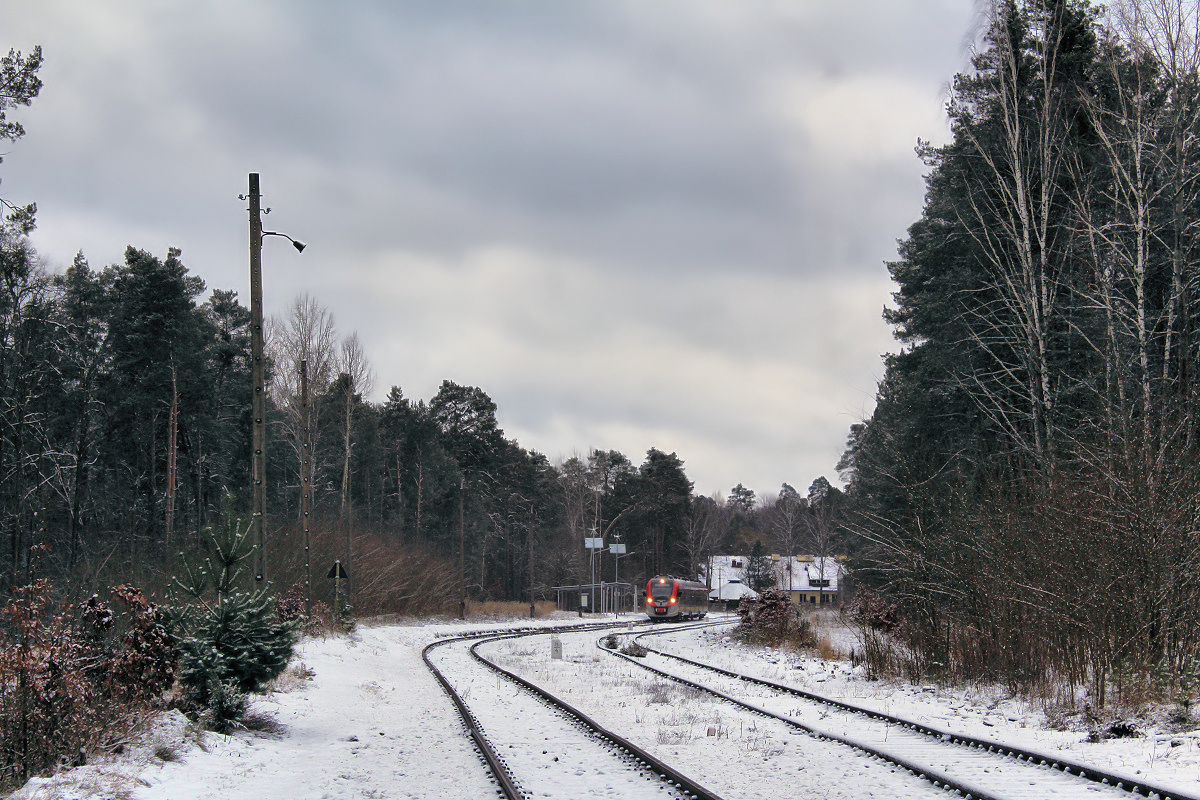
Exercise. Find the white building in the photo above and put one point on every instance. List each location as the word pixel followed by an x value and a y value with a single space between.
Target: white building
pixel 728 584
pixel 808 579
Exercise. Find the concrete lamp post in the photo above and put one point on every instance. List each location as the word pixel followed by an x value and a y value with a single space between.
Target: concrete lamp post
pixel 258 473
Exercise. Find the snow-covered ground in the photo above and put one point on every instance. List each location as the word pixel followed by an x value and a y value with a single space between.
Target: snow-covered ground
pixel 1161 755
pixel 370 721
pixel 729 751
pixel 361 716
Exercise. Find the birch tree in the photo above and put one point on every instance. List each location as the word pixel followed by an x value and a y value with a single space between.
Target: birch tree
pixel 1015 119
pixel 306 332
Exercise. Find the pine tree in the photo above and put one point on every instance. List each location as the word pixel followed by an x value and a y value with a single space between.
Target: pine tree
pixel 759 575
pixel 230 643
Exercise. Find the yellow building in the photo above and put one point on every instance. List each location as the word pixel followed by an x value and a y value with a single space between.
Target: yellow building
pixel 815 580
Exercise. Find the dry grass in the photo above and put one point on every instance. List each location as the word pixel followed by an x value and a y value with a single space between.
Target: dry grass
pixel 387 575
pixel 263 723
pixel 168 752
pixel 668 736
pixel 508 609
pixel 827 649
pixel 291 679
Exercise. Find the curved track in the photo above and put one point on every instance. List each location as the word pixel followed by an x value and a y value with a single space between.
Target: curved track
pixel 975 768
pixel 537 744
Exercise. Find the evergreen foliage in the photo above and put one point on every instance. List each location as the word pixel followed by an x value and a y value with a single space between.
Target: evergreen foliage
pixel 230 641
pixel 759 575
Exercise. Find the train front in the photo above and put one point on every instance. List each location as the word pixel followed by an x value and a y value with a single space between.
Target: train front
pixel 662 598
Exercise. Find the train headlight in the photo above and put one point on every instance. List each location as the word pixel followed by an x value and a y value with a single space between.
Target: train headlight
pixel 671 601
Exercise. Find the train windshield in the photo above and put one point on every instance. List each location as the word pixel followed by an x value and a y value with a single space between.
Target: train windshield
pixel 661 591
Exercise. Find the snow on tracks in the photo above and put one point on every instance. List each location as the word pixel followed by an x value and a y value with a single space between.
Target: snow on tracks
pixel 731 751
pixel 546 746
pixel 975 768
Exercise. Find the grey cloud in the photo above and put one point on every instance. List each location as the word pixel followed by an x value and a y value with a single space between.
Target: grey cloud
pixel 679 180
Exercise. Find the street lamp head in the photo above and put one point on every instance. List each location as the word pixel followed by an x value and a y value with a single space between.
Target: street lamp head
pixel 298 245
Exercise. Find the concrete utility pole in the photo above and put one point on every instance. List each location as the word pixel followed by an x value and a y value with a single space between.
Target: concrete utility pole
pixel 259 407
pixel 305 485
pixel 462 568
pixel 258 473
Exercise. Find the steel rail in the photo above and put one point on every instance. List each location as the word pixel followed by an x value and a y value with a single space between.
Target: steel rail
pixel 938 779
pixel 507 785
pixel 664 771
pixel 1127 783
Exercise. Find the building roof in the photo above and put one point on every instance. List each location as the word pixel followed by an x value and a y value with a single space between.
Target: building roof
pixel 730 589
pixel 808 573
pixel 797 573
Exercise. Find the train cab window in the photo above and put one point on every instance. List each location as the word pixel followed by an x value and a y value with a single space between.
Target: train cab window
pixel 661 591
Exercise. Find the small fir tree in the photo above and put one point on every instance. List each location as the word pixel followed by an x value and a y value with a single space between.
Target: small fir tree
pixel 231 643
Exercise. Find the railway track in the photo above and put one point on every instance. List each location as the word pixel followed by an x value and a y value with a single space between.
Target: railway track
pixel 536 744
pixel 975 768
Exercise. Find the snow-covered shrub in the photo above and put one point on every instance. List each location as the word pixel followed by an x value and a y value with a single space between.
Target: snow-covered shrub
pixel 231 642
pixel 772 619
pixel 144 662
pixel 869 610
pixel 290 608
pixel 634 649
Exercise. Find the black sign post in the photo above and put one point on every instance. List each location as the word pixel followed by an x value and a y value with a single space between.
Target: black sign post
pixel 338 574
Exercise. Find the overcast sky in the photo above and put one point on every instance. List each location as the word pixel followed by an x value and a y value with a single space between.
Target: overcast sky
pixel 634 224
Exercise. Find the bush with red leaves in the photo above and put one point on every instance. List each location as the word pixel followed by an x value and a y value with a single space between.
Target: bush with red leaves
pixel 144 662
pixel 870 610
pixel 47 709
pixel 72 675
pixel 290 607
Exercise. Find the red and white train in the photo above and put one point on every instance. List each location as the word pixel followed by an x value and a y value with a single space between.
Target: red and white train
pixel 671 598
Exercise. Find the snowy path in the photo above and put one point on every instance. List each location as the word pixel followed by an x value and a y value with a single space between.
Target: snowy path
pixel 370 725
